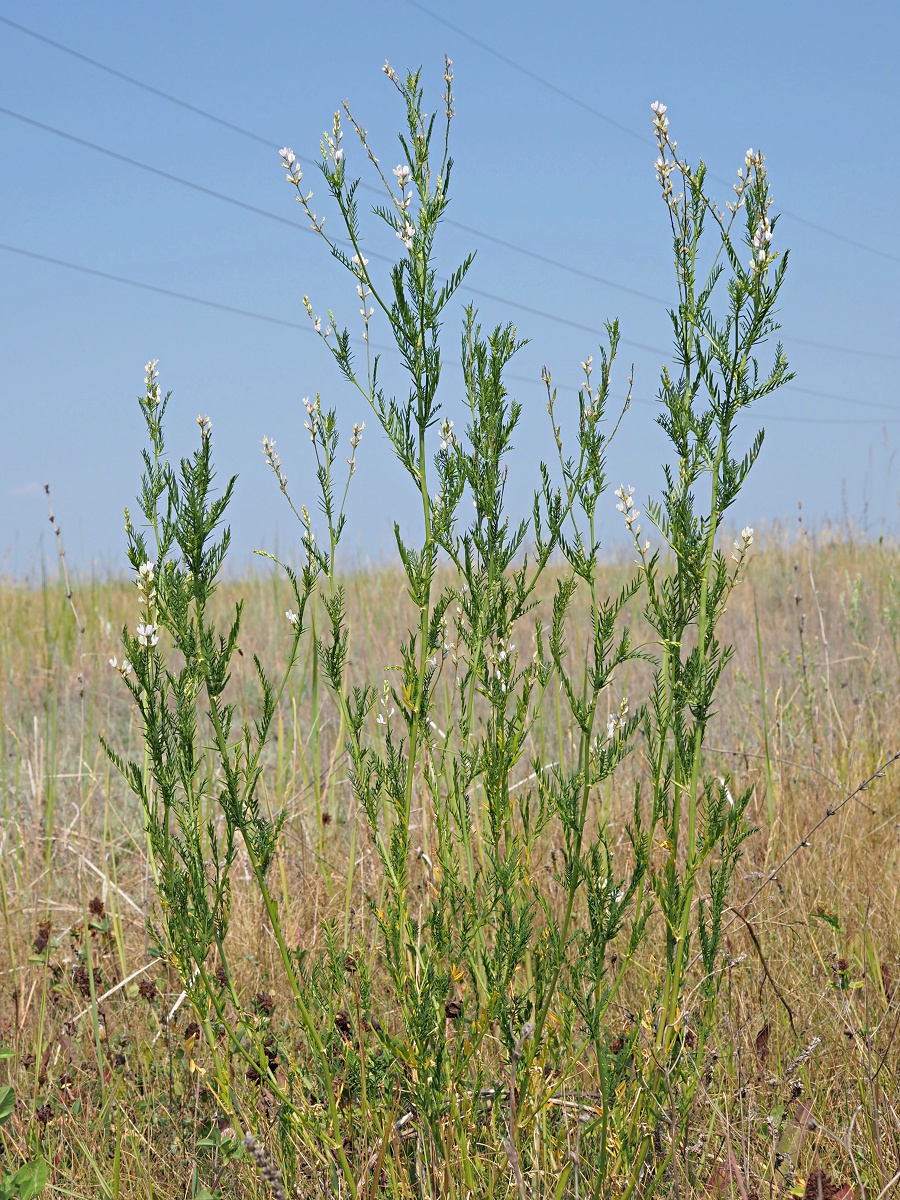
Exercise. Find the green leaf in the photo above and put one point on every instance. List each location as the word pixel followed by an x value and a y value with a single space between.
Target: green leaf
pixel 7 1103
pixel 30 1180
pixel 830 918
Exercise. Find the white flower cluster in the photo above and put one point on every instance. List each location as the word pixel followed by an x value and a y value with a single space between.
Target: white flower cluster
pixel 331 145
pixel 448 437
pixel 290 164
pixel 273 460
pixel 625 496
pixel 364 291
pixel 741 547
pixel 355 439
pixel 406 231
pixel 617 720
pixel 761 244
pixel 314 412
pixel 664 165
pixel 147 635
pixel 317 321
pixel 151 381
pixel 146 584
pixel 386 713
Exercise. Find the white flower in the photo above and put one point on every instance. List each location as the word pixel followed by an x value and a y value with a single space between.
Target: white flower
pixel 403 174
pixel 406 233
pixel 626 506
pixel 611 726
pixel 741 547
pixel 292 617
pixel 625 497
pixel 658 108
pixel 147 635
pixel 338 155
pixel 288 157
pixel 358 261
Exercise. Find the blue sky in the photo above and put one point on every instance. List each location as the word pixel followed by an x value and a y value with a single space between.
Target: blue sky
pixel 554 155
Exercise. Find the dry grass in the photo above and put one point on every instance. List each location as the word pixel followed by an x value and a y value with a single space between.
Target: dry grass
pixel 108 1087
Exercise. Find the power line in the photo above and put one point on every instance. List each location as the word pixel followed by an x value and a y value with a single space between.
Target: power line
pixel 567 322
pixel 142 166
pixel 523 250
pixel 596 112
pixel 262 212
pixel 306 328
pixel 149 287
pixel 146 87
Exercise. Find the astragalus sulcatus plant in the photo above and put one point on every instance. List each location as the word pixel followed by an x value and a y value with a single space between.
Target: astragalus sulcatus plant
pixel 497 930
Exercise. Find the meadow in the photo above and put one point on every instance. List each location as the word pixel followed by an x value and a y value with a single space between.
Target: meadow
pixel 513 869
pixel 801 1069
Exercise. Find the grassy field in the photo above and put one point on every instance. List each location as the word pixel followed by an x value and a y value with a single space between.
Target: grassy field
pixel 111 1073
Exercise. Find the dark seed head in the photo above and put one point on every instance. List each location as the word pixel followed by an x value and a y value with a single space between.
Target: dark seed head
pixel 452 1009
pixel 264 1003
pixel 42 941
pixel 342 1024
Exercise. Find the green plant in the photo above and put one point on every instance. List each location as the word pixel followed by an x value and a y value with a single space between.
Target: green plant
pixel 503 924
pixel 30 1178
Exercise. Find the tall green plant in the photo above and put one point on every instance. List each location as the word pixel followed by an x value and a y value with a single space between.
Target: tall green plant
pixel 508 928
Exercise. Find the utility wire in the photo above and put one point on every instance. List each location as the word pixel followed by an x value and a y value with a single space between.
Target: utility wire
pixel 138 83
pixel 523 250
pixel 381 348
pixel 149 287
pixel 552 87
pixel 262 212
pixel 142 166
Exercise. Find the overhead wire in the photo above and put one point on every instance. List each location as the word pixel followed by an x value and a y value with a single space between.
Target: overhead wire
pixel 525 251
pixel 379 347
pixel 254 210
pixel 257 211
pixel 632 133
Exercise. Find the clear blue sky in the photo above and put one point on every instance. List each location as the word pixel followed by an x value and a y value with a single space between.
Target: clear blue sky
pixel 565 176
